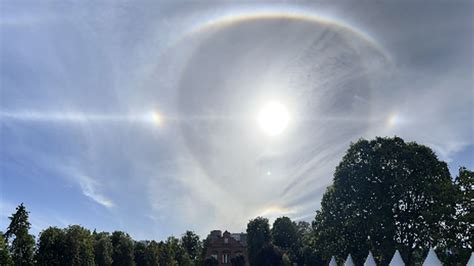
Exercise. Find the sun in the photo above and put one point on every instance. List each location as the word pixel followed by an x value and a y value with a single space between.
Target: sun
pixel 273 118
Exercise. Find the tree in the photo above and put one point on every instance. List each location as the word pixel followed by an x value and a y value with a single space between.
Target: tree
pixel 103 249
pixel 211 261
pixel 139 252
pixel 123 253
pixel 51 247
pixel 5 258
pixel 191 244
pixel 169 251
pixel 78 246
pixel 269 255
pixel 178 253
pixel 328 229
pixel 23 244
pixel 238 260
pixel 258 235
pixel 465 209
pixel 285 236
pixel 386 194
pixel 456 243
pixel 202 255
pixel 285 260
pixel 306 252
pixel 152 254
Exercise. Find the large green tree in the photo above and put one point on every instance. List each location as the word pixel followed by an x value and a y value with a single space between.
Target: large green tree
pixel 79 249
pixel 177 252
pixel 103 249
pixel 456 243
pixel 306 251
pixel 192 245
pixel 168 251
pixel 269 255
pixel 238 260
pixel 386 194
pixel 5 258
pixel 139 252
pixel 284 233
pixel 258 235
pixel 123 253
pixel 51 247
pixel 152 254
pixel 285 236
pixel 22 244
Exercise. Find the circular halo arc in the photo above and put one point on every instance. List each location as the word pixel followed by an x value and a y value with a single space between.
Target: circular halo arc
pixel 229 19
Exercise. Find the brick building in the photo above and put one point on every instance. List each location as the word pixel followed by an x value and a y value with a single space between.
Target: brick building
pixel 224 247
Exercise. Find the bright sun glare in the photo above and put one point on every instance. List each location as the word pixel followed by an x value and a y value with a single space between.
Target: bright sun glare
pixel 273 118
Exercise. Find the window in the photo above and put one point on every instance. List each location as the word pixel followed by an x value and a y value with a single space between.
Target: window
pixel 214 255
pixel 225 258
pixel 226 240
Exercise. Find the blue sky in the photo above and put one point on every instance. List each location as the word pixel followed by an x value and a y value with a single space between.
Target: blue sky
pixel 142 116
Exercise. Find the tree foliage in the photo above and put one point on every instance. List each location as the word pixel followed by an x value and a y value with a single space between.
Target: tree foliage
pixel 103 249
pixel 191 244
pixel 23 244
pixel 285 236
pixel 211 261
pixel 284 233
pixel 5 258
pixel 269 255
pixel 238 260
pixel 456 242
pixel 152 254
pixel 386 194
pixel 78 246
pixel 123 253
pixel 139 252
pixel 51 247
pixel 258 235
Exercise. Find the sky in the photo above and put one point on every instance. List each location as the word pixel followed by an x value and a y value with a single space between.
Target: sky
pixel 146 116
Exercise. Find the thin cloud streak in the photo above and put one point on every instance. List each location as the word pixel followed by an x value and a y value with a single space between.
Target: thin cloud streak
pixel 90 188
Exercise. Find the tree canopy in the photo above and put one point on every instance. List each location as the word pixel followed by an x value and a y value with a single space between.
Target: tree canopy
pixel 258 235
pixel 23 245
pixel 5 258
pixel 387 195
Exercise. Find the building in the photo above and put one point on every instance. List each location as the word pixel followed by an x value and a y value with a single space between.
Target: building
pixel 225 247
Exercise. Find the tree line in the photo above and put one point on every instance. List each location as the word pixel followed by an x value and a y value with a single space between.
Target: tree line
pixel 387 195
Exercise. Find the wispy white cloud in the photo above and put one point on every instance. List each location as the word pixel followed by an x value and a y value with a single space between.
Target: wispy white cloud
pixel 91 189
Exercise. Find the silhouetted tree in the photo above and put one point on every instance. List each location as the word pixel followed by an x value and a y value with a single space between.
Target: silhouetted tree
pixel 5 258
pixel 139 252
pixel 238 260
pixel 191 244
pixel 103 249
pixel 285 236
pixel 78 246
pixel 269 255
pixel 202 256
pixel 456 243
pixel 211 261
pixel 123 253
pixel 51 247
pixel 306 252
pixel 387 194
pixel 258 235
pixel 168 251
pixel 285 260
pixel 23 244
pixel 152 254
